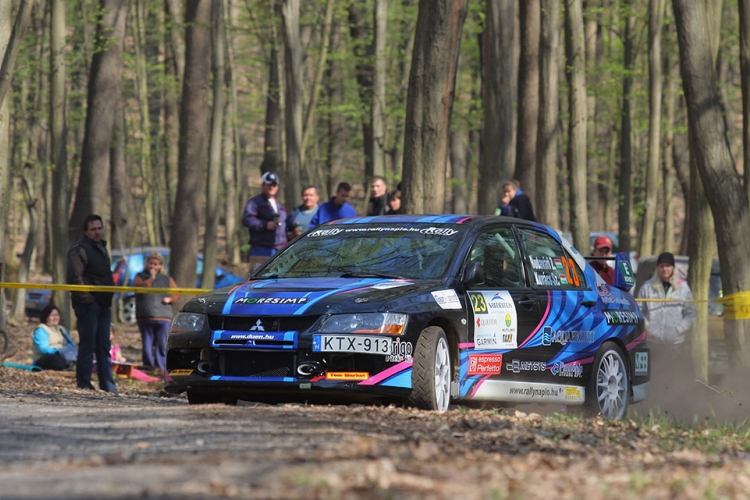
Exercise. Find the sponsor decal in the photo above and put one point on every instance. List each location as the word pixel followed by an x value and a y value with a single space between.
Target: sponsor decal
pixel 181 372
pixel 271 300
pixel 439 231
pixel 608 298
pixel 537 391
pixel 400 351
pixel 517 366
pixel 325 232
pixel 641 363
pixel 496 320
pixel 627 273
pixel 573 394
pixel 542 263
pixel 347 375
pixel 446 299
pixel 621 317
pixel 561 369
pixel 546 279
pixel 485 364
pixel 567 336
pixel 251 336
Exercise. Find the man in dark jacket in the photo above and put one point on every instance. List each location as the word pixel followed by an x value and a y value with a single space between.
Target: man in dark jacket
pixel 265 217
pixel 89 264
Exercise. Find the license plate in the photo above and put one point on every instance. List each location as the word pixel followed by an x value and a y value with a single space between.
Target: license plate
pixel 352 343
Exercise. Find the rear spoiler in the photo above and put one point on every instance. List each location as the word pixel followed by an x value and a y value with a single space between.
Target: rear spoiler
pixel 624 278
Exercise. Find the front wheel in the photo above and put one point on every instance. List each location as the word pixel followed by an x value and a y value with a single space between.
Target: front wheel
pixel 431 371
pixel 608 391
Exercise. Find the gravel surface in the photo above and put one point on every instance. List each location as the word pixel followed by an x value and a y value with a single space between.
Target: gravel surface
pixel 60 442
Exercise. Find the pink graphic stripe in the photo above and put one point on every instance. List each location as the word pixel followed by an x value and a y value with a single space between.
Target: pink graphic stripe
pixel 477 385
pixel 376 379
pixel 637 341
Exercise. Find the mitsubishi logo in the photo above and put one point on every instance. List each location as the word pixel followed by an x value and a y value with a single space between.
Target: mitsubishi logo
pixel 258 327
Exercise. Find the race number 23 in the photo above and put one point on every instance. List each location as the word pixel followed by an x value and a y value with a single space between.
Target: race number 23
pixel 571 272
pixel 478 303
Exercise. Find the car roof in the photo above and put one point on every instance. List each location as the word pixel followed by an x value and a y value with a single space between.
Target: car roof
pixel 434 219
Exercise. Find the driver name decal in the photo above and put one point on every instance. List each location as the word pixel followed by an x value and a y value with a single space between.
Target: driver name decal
pixel 495 320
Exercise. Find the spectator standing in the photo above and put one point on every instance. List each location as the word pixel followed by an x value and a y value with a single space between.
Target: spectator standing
pixel 603 248
pixel 378 204
pixel 89 264
pixel 265 218
pixel 668 323
pixel 300 218
pixel 54 349
pixel 337 207
pixel 503 208
pixel 519 204
pixel 153 311
pixel 394 203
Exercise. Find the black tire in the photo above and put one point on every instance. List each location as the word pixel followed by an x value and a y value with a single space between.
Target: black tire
pixel 207 398
pixel 432 371
pixel 127 311
pixel 608 389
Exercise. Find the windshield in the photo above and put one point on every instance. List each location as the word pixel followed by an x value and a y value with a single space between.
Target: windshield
pixel 362 250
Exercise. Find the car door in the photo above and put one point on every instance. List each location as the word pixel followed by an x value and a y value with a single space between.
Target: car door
pixel 504 309
pixel 569 304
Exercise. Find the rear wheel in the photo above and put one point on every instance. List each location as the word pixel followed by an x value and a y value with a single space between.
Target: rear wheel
pixel 431 371
pixel 608 391
pixel 127 310
pixel 207 398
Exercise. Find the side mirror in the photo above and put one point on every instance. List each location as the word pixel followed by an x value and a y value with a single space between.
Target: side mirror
pixel 473 274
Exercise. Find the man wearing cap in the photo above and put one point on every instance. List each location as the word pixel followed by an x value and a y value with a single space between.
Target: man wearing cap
pixel 265 217
pixel 603 248
pixel 668 323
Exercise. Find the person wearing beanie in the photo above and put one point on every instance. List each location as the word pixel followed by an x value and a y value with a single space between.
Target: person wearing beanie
pixel 668 324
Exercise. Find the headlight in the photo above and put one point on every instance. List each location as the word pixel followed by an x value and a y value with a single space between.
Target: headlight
pixel 188 322
pixel 388 323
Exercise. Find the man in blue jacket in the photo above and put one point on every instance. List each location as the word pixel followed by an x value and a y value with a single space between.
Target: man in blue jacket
pixel 265 217
pixel 335 208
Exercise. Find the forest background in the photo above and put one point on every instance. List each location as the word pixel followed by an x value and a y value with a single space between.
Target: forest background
pixel 620 115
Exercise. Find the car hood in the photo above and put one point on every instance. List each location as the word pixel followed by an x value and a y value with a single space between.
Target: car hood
pixel 298 296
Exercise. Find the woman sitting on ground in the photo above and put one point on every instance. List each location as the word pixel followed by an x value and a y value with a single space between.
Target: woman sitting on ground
pixel 54 349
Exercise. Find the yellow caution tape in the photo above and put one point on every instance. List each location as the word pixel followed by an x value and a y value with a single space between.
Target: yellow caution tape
pixel 114 289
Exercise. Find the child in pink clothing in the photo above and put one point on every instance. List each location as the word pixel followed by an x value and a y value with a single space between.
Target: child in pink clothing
pixel 118 360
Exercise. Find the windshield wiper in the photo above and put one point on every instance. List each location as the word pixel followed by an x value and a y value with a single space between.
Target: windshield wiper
pixel 350 274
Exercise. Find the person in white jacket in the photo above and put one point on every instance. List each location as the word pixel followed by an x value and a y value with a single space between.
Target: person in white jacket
pixel 668 324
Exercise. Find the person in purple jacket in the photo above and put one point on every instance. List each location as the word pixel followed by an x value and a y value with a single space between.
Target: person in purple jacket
pixel 265 218
pixel 335 208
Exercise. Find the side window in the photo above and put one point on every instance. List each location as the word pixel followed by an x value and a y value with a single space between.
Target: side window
pixel 547 263
pixel 496 251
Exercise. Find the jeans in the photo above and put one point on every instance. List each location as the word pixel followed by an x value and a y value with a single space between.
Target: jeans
pixel 93 334
pixel 154 333
pixel 256 251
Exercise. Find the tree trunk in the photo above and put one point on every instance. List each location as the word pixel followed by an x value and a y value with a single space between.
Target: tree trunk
pixel 59 157
pixel 10 51
pixel 5 37
pixel 272 160
pixel 234 193
pixel 210 245
pixel 596 168
pixel 377 110
pixel 103 95
pixel 124 218
pixel 459 166
pixel 671 71
pixel 575 51
pixel 173 74
pixel 359 32
pixel 193 150
pixel 292 101
pixel 148 177
pixel 744 6
pixel 33 204
pixel 528 96
pixel 430 103
pixel 724 191
pixel 626 131
pixel 547 204
pixel 656 19
pixel 495 164
pixel 175 32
